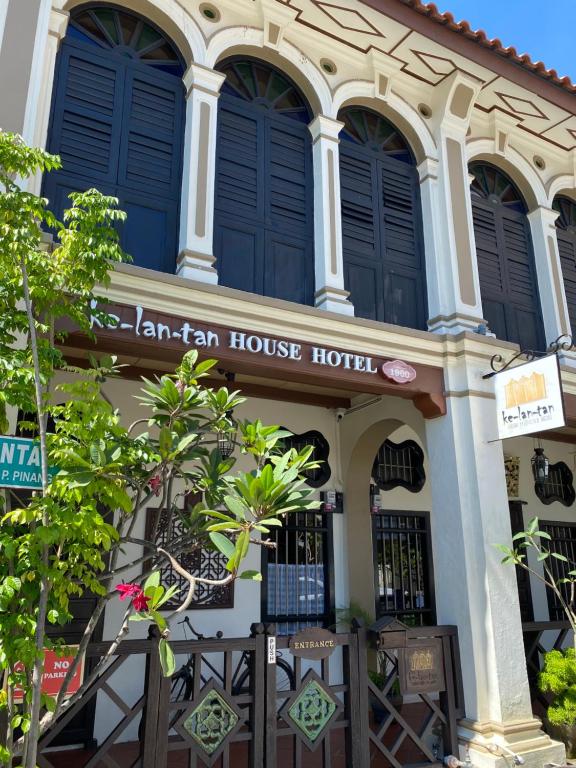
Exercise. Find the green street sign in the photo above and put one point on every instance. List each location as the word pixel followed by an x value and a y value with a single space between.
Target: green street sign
pixel 20 463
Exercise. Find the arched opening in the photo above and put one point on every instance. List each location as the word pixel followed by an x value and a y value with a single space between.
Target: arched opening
pixel 264 217
pixel 508 283
pixel 387 505
pixel 566 236
pixel 117 121
pixel 382 237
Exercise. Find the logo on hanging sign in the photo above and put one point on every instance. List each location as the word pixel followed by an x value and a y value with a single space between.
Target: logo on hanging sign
pixel 398 371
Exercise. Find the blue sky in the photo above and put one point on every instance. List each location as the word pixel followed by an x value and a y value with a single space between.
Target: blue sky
pixel 545 29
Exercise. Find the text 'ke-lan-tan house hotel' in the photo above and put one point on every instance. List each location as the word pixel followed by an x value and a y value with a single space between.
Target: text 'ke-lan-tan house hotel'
pixel 315 189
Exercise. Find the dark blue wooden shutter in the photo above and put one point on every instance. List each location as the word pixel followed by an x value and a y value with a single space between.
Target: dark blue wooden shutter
pixel 382 238
pixel 118 126
pixel 567 251
pixel 239 225
pixel 150 170
pixel 508 283
pixel 264 228
pixel 363 265
pixel 85 129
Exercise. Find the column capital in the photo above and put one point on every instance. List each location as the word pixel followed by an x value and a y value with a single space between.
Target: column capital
pixel 547 215
pixel 58 23
pixel 201 78
pixel 428 169
pixel 323 127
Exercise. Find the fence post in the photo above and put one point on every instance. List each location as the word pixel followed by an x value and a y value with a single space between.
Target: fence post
pixel 258 693
pixel 360 707
pixel 271 721
pixel 153 711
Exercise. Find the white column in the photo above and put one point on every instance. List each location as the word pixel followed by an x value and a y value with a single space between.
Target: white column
pixel 329 268
pixel 196 257
pixel 57 25
pixel 549 273
pixel 474 590
pixel 454 303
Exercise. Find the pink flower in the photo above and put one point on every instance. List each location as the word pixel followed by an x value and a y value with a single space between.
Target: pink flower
pixel 128 590
pixel 136 593
pixel 140 602
pixel 155 484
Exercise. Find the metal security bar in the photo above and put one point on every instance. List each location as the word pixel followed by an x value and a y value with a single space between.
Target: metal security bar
pixel 297 591
pixel 563 542
pixel 402 565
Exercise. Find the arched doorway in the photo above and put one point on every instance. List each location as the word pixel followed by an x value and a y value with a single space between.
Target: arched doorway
pixel 264 207
pixel 382 235
pixel 117 122
pixel 566 236
pixel 508 283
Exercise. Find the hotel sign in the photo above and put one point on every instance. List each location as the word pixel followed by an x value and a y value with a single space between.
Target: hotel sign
pixel 529 398
pixel 421 667
pixel 146 326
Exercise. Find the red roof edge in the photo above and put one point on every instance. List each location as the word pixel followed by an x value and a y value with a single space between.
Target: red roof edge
pixel 479 36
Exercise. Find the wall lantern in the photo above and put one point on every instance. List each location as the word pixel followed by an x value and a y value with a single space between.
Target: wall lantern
pixel 540 465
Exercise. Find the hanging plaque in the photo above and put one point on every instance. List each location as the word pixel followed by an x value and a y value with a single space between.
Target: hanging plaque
pixel 421 667
pixel 313 643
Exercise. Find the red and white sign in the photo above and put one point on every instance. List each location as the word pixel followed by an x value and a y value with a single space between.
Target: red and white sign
pixel 55 671
pixel 398 371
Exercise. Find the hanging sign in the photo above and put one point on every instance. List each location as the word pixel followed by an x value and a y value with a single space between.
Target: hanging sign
pixel 20 463
pixel 529 398
pixel 421 667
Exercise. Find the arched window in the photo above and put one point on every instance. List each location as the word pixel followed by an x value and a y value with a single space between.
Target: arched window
pixel 566 235
pixel 510 300
pixel 381 221
pixel 117 122
pixel 264 217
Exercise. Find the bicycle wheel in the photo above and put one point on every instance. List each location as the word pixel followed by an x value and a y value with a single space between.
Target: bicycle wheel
pixel 284 678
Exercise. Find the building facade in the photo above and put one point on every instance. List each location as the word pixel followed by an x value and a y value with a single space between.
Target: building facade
pixel 313 191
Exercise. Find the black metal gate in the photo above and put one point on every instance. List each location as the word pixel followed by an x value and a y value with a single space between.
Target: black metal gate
pixel 386 697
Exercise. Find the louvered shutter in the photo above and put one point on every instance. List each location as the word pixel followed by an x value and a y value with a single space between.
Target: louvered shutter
pixel 404 281
pixel 363 267
pixel 508 283
pixel 567 251
pixel 119 126
pixel 289 256
pixel 490 269
pixel 150 171
pixel 85 124
pixel 382 238
pixel 239 212
pixel 264 230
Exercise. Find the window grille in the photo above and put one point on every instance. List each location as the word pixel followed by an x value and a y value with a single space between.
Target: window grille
pixel 201 562
pixel 562 542
pixel 401 465
pixel 403 579
pixel 297 592
pixel 314 477
pixel 558 486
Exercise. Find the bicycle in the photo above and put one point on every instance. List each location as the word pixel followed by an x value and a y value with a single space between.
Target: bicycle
pixel 183 680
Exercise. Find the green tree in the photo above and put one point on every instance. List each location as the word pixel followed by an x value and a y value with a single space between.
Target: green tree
pixel 67 540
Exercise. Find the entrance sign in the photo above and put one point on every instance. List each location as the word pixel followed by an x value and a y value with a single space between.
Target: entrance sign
pixel 313 643
pixel 55 671
pixel 20 463
pixel 529 398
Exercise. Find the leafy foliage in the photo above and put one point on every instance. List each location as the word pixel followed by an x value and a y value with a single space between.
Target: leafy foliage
pixel 66 540
pixel 559 677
